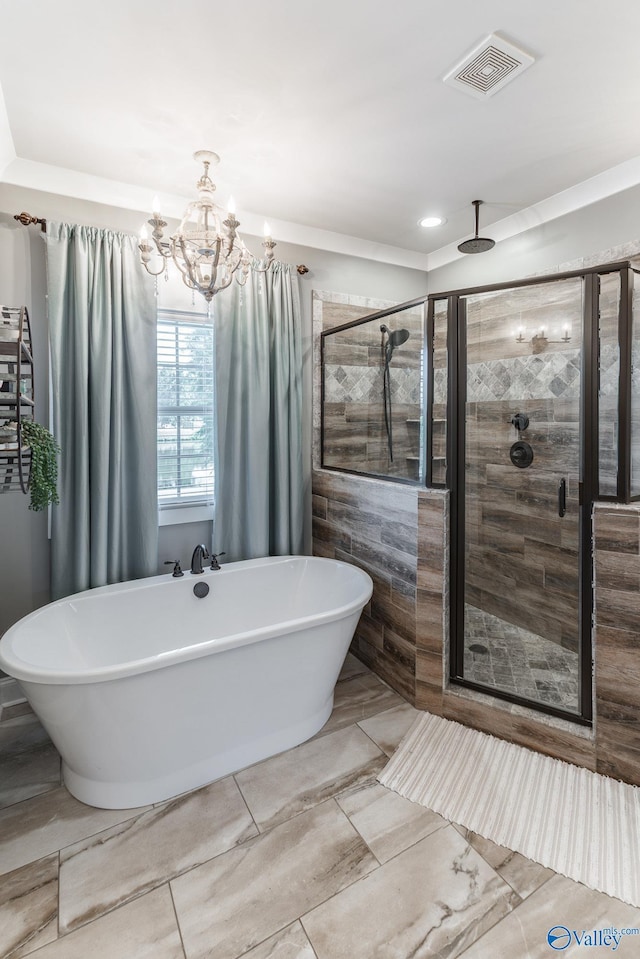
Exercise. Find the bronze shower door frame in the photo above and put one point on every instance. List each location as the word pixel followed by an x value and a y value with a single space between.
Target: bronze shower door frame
pixel 589 466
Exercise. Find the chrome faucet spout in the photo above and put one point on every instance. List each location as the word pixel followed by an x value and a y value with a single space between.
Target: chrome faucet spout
pixel 200 552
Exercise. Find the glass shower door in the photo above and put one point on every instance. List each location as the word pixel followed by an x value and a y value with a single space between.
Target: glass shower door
pixel 519 605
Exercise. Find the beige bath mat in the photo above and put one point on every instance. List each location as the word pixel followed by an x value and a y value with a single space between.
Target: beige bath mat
pixel 578 823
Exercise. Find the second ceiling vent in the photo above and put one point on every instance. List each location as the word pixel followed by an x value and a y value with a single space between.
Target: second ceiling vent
pixel 489 67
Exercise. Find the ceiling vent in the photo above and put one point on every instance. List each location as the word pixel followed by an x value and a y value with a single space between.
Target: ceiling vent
pixel 488 68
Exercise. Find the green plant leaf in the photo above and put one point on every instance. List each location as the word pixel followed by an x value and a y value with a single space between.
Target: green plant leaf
pixel 44 464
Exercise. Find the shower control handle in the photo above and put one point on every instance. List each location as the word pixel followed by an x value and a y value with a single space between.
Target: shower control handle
pixel 521 454
pixel 520 421
pixel 562 497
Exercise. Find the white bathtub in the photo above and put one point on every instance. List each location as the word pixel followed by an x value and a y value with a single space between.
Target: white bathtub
pixel 148 691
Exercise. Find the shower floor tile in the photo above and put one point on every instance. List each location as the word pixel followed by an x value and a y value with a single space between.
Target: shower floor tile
pixel 516 661
pixel 342 868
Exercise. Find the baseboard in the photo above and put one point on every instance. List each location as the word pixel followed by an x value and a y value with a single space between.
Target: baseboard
pixel 10 692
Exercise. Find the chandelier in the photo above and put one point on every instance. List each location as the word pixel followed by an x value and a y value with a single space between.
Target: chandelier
pixel 206 248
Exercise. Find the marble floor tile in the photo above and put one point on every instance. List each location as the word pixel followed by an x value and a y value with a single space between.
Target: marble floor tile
pixel 309 887
pixel 431 900
pixel 357 699
pixel 261 887
pixel 291 943
pixel 387 822
pixel 29 762
pixel 522 874
pixel 109 869
pixel 36 827
pixel 352 667
pixel 388 728
pixel 143 929
pixel 559 902
pixel 300 778
pixel 28 908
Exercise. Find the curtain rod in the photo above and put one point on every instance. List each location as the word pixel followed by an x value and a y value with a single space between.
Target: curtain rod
pixel 26 219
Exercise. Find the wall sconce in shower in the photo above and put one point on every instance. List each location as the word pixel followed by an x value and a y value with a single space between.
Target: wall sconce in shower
pixel 539 339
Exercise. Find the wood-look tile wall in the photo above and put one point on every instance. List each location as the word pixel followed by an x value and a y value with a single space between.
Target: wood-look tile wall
pixel 392 530
pixel 399 534
pixel 617 642
pixel 374 524
pixel 520 554
pixel 356 438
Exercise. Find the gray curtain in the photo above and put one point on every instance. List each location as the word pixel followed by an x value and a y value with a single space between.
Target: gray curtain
pixel 259 477
pixel 102 322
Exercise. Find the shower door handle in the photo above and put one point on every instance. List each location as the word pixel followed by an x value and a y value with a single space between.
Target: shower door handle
pixel 562 497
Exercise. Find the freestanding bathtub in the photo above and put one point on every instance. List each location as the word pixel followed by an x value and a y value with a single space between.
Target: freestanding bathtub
pixel 148 691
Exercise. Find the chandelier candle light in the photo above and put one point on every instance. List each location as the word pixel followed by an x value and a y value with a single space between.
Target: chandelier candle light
pixel 206 248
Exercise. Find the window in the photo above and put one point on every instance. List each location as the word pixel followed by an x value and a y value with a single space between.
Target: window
pixel 185 409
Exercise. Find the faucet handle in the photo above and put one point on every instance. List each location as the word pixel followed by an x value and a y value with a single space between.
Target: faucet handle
pixel 214 560
pixel 177 571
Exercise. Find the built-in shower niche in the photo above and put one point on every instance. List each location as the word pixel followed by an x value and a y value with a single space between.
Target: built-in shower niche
pixel 372 395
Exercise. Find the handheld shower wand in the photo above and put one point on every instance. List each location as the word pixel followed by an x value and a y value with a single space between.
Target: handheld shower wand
pixel 394 338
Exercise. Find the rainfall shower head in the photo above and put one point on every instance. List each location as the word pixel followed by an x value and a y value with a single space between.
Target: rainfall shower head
pixel 477 244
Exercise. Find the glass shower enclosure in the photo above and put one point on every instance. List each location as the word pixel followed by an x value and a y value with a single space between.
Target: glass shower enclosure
pixel 540 408
pixel 519 403
pixel 373 395
pixel 525 405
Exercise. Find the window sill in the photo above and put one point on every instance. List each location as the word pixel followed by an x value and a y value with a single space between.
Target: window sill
pixel 184 514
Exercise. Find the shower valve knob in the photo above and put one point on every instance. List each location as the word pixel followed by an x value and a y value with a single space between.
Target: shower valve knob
pixel 520 421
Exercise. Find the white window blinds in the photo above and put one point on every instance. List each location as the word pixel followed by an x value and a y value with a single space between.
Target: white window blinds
pixel 185 409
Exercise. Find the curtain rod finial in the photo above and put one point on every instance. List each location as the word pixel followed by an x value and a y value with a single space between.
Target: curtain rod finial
pixel 26 219
pixel 302 269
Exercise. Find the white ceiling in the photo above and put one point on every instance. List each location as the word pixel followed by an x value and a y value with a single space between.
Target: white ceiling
pixel 328 116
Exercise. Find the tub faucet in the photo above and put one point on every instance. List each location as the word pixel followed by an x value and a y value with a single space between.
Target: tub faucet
pixel 200 552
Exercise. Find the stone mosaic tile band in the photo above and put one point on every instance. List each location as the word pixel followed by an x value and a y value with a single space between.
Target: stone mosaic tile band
pixel 550 376
pixel 363 384
pixel 440 386
pixel 609 369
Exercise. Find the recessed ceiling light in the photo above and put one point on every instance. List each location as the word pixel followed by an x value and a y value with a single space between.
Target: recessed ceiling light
pixel 431 221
